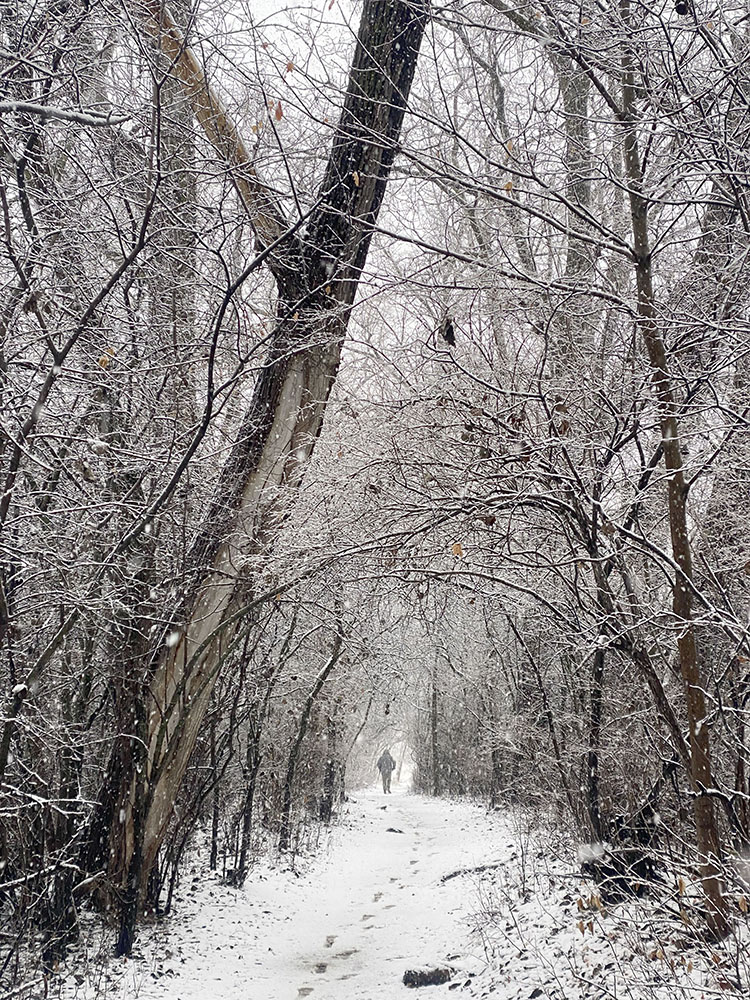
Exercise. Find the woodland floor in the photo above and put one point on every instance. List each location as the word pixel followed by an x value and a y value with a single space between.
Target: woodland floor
pixel 512 919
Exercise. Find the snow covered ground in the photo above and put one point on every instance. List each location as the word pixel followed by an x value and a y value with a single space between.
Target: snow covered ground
pixel 346 928
pixel 408 882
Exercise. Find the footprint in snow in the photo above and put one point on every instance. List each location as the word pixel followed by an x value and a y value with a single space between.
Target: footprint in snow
pixel 346 954
pixel 377 897
pixel 330 939
pixel 367 916
pixel 304 991
pixel 321 967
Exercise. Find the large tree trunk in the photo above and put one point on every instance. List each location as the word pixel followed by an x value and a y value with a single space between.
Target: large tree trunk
pixel 317 277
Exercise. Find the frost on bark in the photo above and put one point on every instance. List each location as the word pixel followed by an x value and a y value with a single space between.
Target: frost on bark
pixel 317 272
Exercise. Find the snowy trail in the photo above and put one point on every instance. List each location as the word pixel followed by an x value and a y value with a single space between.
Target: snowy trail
pixel 349 927
pixel 374 904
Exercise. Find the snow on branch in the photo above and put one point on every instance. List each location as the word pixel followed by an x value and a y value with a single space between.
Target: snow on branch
pixel 91 118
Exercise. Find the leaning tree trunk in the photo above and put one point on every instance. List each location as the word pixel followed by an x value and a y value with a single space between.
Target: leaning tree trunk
pixel 317 276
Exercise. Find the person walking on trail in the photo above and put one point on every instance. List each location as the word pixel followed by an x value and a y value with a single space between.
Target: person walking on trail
pixel 386 765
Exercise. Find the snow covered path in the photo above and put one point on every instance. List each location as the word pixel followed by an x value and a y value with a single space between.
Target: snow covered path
pixel 374 904
pixel 348 928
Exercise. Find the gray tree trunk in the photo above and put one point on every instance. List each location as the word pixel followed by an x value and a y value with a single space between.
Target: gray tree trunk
pixel 707 833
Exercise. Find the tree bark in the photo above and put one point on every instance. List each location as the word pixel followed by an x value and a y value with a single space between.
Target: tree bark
pixel 496 781
pixel 253 757
pixel 707 835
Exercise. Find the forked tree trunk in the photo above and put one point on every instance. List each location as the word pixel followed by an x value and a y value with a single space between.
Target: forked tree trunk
pixel 317 278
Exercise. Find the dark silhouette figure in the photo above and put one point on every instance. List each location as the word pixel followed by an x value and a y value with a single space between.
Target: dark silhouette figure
pixel 386 765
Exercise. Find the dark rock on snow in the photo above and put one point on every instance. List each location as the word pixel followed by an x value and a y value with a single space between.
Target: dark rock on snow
pixel 427 977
